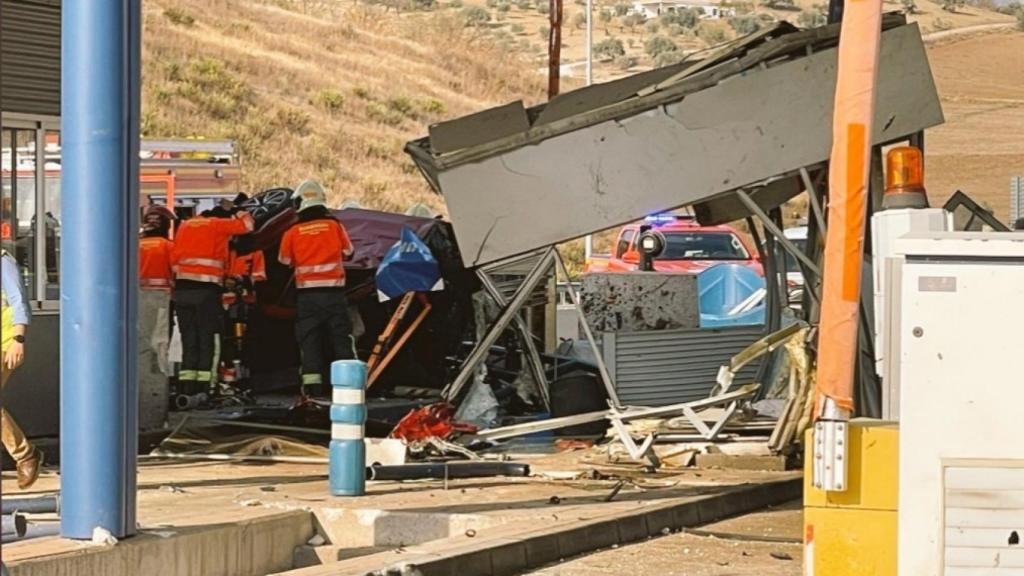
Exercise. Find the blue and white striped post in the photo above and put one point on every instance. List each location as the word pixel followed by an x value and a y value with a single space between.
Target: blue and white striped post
pixel 348 419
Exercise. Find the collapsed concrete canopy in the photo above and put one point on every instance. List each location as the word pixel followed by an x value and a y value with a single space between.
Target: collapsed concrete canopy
pixel 752 112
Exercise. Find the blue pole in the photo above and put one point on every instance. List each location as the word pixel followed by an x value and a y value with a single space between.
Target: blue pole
pixel 348 419
pixel 99 276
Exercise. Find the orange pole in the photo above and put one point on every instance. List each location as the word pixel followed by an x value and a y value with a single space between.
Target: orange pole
pixel 848 187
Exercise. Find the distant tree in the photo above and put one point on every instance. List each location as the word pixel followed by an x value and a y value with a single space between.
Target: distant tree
pixel 631 21
pixel 812 17
pixel 475 15
pixel 675 30
pixel 744 25
pixel 544 32
pixel 685 17
pixel 605 16
pixel 524 4
pixel 621 9
pixel 455 4
pixel 780 4
pixel 710 34
pixel 1010 9
pixel 625 62
pixel 657 45
pixel 609 49
pixel 543 7
pixel 579 20
pixel 652 27
pixel 669 58
pixel 517 28
pixel 952 5
pixel 504 7
pixel 1020 20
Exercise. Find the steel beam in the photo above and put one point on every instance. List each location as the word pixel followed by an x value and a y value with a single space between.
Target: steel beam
pixel 532 355
pixel 99 267
pixel 510 311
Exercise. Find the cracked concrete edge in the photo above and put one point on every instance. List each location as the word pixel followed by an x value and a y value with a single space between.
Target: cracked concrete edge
pixel 507 554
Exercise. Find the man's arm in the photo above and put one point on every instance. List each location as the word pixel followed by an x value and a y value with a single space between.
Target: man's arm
pixel 284 256
pixel 259 267
pixel 241 223
pixel 346 243
pixel 11 279
pixel 14 290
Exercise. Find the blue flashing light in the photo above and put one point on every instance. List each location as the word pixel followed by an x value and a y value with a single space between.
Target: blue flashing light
pixel 660 218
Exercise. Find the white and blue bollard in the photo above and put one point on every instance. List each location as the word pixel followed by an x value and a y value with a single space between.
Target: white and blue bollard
pixel 348 419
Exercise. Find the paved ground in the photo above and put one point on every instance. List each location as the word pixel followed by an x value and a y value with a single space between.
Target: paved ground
pixel 183 498
pixel 735 550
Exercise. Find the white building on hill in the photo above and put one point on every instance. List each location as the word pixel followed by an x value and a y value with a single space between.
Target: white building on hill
pixel 710 9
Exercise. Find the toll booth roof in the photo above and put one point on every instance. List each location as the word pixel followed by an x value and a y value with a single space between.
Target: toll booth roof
pixel 746 115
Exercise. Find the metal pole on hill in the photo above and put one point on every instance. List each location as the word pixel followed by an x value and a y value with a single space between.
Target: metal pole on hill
pixel 554 47
pixel 99 268
pixel 588 240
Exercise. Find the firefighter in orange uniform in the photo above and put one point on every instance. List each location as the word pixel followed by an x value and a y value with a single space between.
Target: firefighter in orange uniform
pixel 200 260
pixel 316 248
pixel 155 281
pixel 244 273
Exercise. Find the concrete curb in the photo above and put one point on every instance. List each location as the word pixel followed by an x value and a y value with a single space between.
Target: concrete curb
pixel 511 553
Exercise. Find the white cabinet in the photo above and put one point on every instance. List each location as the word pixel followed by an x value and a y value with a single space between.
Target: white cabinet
pixel 959 321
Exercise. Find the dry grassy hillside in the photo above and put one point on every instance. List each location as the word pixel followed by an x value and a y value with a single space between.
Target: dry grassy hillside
pixel 314 91
pixel 981 145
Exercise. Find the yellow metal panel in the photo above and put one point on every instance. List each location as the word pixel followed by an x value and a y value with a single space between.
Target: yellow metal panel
pixel 849 542
pixel 873 460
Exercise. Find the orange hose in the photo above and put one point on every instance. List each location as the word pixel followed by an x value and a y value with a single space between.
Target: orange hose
pixel 848 189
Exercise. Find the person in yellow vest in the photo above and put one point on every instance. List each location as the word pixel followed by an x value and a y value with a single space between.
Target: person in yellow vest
pixel 15 319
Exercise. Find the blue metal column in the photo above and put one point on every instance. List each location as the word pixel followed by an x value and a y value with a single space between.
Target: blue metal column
pixel 99 270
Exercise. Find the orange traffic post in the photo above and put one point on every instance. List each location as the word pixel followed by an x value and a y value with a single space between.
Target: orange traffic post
pixel 850 163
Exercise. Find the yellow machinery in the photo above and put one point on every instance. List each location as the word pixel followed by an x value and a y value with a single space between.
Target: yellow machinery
pixel 853 532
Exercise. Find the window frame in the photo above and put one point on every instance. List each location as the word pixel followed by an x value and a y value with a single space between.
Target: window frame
pixel 41 125
pixel 623 238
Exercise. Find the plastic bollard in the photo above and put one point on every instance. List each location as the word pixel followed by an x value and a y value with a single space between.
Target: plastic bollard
pixel 348 419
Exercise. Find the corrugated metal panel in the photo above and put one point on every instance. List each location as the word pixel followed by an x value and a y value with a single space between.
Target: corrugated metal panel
pixel 663 367
pixel 30 56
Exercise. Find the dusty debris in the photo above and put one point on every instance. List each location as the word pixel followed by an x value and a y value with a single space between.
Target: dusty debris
pixel 780 556
pixel 471 533
pixel 562 474
pixel 103 537
pixel 172 489
pixel 317 540
pixel 554 500
pixel 615 491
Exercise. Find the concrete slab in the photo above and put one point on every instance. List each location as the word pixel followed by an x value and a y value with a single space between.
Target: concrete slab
pixel 498 554
pixel 742 462
pixel 231 518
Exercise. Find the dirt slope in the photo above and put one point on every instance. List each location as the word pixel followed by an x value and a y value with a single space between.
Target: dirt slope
pixel 981 145
pixel 333 92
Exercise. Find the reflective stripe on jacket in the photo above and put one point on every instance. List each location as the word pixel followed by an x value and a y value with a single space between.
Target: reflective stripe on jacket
pixel 201 247
pixel 155 263
pixel 316 249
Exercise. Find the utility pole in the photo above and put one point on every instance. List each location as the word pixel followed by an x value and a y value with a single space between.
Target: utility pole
pixel 554 48
pixel 588 240
pixel 590 42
